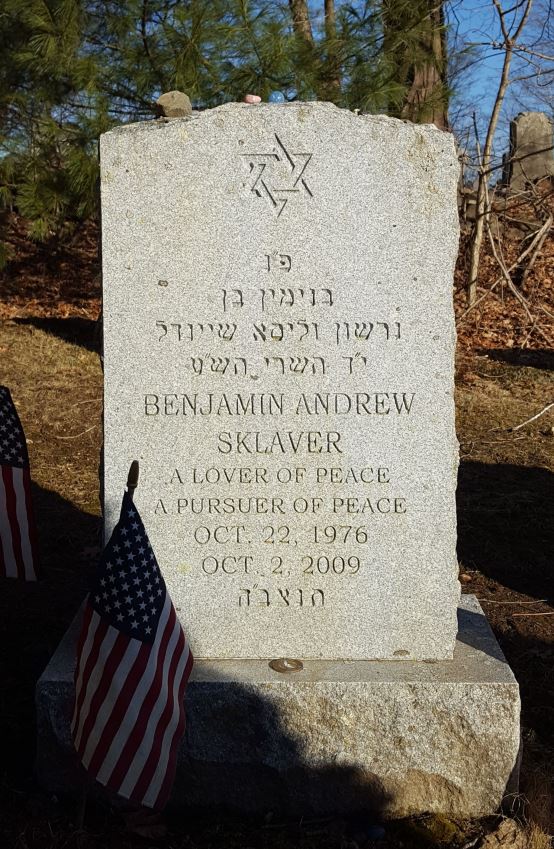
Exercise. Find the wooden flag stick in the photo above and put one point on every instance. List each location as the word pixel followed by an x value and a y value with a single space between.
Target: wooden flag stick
pixel 133 478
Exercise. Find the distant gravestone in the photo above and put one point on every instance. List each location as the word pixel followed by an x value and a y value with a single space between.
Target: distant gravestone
pixel 531 143
pixel 279 341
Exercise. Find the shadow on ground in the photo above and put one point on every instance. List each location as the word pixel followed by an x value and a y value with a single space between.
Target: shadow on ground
pixel 506 533
pixel 34 617
pixel 532 661
pixel 78 331
pixel 538 358
pixel 506 525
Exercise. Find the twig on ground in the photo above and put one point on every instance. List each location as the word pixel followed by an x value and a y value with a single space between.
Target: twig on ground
pixel 494 601
pixel 500 441
pixel 536 244
pixel 546 613
pixel 532 419
pixel 512 287
pixel 482 298
pixel 543 308
pixel 511 268
pixel 529 334
pixel 77 435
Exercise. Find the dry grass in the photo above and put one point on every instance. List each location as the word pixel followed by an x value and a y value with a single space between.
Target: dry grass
pixel 537 838
pixel 57 387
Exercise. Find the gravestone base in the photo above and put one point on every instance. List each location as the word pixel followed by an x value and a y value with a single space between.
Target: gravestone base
pixel 395 737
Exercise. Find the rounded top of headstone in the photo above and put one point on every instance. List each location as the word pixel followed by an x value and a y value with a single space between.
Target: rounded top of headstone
pixel 173 104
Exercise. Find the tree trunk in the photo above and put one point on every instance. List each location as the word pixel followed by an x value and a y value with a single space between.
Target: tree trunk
pixel 331 78
pixel 415 45
pixel 301 20
pixel 426 99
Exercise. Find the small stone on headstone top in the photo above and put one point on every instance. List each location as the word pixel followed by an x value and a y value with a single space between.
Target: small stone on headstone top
pixel 173 104
pixel 252 98
pixel 276 97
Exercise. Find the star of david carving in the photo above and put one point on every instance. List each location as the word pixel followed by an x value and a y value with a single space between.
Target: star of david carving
pixel 267 184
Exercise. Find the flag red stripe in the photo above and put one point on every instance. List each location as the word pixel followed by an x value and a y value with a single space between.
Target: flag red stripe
pixel 32 528
pixel 87 616
pixel 4 554
pixel 91 623
pixel 121 733
pixel 168 755
pixel 14 525
pixel 3 572
pixel 84 637
pixel 130 748
pixel 120 708
pixel 167 782
pixel 89 666
pixel 103 712
pixel 10 566
pixel 22 517
pixel 145 778
pixel 108 671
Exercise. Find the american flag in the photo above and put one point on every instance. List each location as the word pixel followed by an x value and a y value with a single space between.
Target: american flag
pixel 18 548
pixel 133 662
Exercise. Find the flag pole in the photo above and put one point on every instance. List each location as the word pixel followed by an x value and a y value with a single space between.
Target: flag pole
pixel 132 483
pixel 133 478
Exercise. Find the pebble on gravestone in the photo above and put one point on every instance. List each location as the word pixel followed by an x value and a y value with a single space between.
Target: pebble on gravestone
pixel 173 104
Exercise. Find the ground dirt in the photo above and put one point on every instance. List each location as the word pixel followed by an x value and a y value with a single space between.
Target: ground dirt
pixel 49 343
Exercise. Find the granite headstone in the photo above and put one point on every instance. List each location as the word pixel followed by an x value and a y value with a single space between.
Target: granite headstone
pixel 279 341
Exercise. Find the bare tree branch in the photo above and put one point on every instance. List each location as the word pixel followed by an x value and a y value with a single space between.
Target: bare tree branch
pixel 482 207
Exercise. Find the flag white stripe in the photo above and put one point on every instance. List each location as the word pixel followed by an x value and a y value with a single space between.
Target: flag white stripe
pixel 22 519
pixel 158 778
pixel 128 725
pixel 145 747
pixel 5 529
pixel 105 711
pixel 95 678
pixel 82 661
